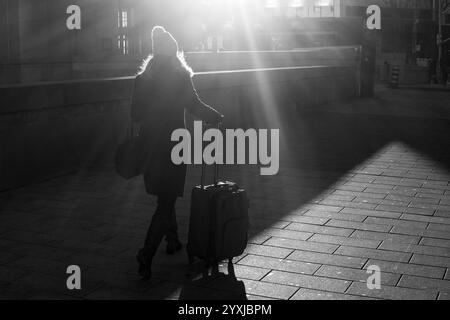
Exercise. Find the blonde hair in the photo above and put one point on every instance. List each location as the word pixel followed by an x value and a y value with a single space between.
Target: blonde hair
pixel 163 43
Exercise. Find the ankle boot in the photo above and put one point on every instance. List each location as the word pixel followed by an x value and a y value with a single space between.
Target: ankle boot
pixel 145 265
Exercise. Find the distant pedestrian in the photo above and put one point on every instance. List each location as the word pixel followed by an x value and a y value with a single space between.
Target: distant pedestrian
pixel 432 71
pixel 445 60
pixel 163 91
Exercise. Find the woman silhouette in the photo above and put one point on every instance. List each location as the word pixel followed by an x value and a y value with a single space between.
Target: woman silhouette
pixel 163 91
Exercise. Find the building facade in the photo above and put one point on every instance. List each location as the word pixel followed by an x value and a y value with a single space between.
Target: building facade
pixel 408 35
pixel 113 39
pixel 115 34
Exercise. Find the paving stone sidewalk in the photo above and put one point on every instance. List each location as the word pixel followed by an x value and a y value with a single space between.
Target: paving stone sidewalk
pixel 354 190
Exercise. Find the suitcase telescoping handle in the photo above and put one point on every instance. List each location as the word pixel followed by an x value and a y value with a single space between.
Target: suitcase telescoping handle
pixel 216 171
pixel 216 175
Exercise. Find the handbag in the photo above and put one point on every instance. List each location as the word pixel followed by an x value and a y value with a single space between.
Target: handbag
pixel 130 156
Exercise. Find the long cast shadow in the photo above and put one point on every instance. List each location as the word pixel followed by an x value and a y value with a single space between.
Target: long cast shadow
pixel 321 148
pixel 318 150
pixel 226 286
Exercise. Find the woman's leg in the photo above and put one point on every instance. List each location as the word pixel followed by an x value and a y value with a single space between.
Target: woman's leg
pixel 172 231
pixel 159 226
pixel 173 242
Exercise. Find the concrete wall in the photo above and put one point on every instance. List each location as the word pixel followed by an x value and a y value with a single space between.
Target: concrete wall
pixel 329 56
pixel 120 66
pixel 57 128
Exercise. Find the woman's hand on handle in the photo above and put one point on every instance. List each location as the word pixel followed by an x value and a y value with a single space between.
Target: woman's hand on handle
pixel 219 119
pixel 214 122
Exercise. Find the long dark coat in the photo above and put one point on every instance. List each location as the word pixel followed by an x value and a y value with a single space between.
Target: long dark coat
pixel 161 95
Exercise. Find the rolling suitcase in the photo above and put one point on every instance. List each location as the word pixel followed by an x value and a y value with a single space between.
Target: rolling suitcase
pixel 218 226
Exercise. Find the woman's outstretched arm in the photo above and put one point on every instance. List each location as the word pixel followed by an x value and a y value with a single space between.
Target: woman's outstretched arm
pixel 198 108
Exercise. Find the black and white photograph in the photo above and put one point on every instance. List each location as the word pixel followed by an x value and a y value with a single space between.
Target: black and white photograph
pixel 228 156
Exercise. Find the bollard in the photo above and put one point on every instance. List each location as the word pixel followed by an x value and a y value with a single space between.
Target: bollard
pixel 368 65
pixel 395 77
